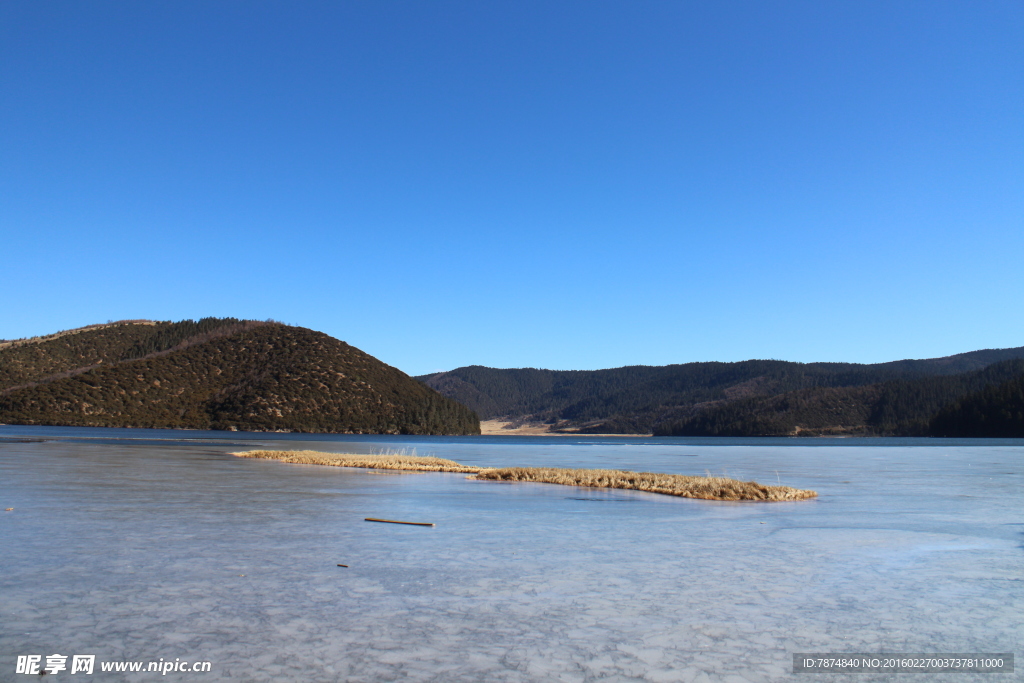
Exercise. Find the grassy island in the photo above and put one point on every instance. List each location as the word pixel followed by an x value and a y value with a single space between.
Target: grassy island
pixel 384 461
pixel 705 488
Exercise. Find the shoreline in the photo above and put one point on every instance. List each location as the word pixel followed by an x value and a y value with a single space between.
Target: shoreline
pixel 500 428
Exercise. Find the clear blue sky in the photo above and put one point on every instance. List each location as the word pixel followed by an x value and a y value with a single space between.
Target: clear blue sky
pixel 567 185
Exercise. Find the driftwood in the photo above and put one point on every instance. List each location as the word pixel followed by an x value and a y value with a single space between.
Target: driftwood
pixel 391 521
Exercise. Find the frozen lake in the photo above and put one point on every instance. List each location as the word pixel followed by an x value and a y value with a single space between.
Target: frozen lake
pixel 139 545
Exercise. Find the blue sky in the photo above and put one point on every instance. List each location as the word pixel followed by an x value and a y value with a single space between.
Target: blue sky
pixel 568 185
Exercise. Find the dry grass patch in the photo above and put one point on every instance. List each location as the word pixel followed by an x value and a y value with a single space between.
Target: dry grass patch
pixel 385 461
pixel 707 488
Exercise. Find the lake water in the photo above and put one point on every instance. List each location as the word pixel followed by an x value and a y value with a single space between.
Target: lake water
pixel 138 545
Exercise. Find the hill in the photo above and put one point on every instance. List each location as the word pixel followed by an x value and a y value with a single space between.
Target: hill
pixel 216 374
pixel 903 407
pixel 997 410
pixel 748 398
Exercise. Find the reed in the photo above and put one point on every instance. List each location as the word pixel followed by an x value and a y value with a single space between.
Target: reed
pixel 706 488
pixel 390 460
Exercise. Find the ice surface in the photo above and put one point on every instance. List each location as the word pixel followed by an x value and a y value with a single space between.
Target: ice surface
pixel 147 550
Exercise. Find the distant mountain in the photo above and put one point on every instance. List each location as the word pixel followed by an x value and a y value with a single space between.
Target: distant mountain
pixel 997 410
pixel 902 407
pixel 756 397
pixel 216 374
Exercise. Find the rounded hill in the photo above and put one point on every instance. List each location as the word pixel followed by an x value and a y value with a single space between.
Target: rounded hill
pixel 217 374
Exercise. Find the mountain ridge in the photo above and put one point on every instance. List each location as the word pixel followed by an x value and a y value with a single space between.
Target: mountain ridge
pixel 648 399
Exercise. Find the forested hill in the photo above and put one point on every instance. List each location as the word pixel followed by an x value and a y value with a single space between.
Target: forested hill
pixel 995 411
pixel 902 407
pixel 748 398
pixel 216 374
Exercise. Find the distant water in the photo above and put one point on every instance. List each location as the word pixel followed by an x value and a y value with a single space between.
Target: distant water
pixel 148 544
